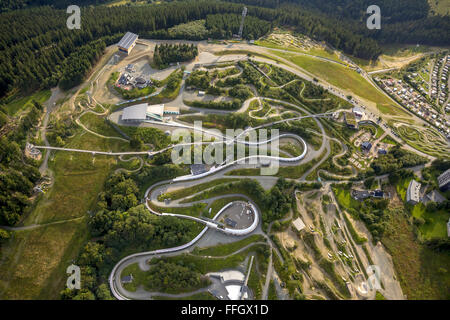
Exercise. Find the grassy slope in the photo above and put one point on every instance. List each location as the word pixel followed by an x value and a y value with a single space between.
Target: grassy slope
pixel 33 263
pixel 19 104
pixel 439 7
pixel 184 192
pixel 436 222
pixel 97 124
pixel 344 78
pixel 313 51
pixel 225 249
pixel 423 273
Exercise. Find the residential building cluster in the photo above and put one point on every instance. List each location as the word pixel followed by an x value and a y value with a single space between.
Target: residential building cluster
pixel 439 80
pixel 415 102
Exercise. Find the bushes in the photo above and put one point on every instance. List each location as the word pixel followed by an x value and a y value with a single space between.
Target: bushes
pixel 199 79
pixel 4 235
pixel 240 92
pixel 146 135
pixel 222 105
pixel 397 158
pixel 183 278
pixel 60 130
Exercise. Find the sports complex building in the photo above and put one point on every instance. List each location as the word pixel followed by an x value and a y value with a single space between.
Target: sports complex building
pixel 144 111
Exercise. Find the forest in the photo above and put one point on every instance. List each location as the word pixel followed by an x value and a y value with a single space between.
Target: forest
pixel 222 26
pixel 121 226
pixel 18 173
pixel 165 54
pixel 7 5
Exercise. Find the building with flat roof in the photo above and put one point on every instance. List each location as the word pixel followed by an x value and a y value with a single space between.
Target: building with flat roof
pixel 444 180
pixel 298 224
pixel 413 192
pixel 127 43
pixel 144 111
pixel 364 194
pixel 127 279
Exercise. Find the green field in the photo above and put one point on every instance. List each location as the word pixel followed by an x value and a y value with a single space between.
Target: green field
pixel 423 273
pixel 313 51
pixel 184 192
pixel 21 103
pixel 439 7
pixel 226 249
pixel 195 210
pixel 79 177
pixel 435 225
pixel 344 78
pixel 98 125
pixel 389 140
pixel 344 198
pixel 34 262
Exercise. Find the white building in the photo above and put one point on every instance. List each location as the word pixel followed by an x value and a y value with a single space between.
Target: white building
pixel 298 224
pixel 413 192
pixel 144 111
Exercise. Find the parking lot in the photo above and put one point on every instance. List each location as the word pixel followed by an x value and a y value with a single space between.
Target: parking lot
pixel 238 216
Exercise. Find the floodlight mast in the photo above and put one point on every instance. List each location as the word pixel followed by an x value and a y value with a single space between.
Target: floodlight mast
pixel 241 27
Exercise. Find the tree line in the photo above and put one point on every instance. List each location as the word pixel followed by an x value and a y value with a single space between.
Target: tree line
pixel 222 26
pixel 18 174
pixel 166 54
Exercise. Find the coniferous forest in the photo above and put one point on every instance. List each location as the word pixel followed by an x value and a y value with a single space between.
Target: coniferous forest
pixel 166 54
